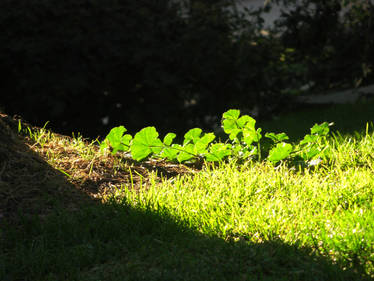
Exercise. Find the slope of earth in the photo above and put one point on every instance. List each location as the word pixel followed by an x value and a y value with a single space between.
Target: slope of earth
pixel 41 171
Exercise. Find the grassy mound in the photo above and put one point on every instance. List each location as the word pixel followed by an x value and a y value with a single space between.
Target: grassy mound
pixel 72 212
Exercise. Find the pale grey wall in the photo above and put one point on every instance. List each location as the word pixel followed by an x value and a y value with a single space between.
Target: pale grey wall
pixel 276 9
pixel 274 12
pixel 269 17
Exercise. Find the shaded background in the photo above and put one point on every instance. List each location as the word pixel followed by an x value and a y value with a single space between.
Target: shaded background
pixel 87 66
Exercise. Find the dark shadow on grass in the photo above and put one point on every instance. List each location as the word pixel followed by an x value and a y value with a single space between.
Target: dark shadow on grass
pixel 117 242
pixel 28 184
pixel 94 241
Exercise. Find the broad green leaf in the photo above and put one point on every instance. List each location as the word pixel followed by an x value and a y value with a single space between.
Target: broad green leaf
pixel 279 152
pixel 246 121
pixel 202 144
pixel 277 137
pixel 192 135
pixel 145 142
pixel 229 125
pixel 116 139
pixel 234 134
pixel 231 114
pixel 187 153
pixel 233 125
pixel 170 152
pixel 168 139
pixel 229 122
pixel 116 133
pixel 250 135
pixel 126 139
pixel 321 129
pixel 310 153
pixel 309 139
pixel 208 138
pixel 139 152
pixel 218 151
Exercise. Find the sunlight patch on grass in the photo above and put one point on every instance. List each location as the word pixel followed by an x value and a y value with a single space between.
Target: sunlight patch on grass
pixel 165 221
pixel 330 208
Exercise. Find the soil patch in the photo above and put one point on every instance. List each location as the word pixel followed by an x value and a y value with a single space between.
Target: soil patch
pixel 31 185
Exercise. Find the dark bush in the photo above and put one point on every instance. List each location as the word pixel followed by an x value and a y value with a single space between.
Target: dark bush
pixel 141 63
pixel 137 63
pixel 75 62
pixel 332 39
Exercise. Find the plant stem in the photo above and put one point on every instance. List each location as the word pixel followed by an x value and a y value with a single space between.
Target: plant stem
pixel 175 148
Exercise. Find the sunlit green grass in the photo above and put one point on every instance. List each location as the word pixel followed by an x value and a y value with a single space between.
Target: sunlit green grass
pixel 250 221
pixel 329 208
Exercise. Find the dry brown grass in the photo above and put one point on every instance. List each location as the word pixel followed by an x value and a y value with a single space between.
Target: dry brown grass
pixel 40 170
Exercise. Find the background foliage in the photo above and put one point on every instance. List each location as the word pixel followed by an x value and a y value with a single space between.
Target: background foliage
pixel 171 65
pixel 332 39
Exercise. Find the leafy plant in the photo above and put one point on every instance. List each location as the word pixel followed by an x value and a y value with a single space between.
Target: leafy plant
pixel 242 132
pixel 279 152
pixel 244 143
pixel 309 146
pixel 117 140
pixel 145 142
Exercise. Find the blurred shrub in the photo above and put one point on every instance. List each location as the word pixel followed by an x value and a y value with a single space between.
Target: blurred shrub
pixel 74 62
pixel 332 39
pixel 138 63
pixel 169 63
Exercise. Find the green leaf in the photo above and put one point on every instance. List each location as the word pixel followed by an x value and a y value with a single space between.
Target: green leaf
pixel 116 139
pixel 192 135
pixel 279 152
pixel 321 129
pixel 145 142
pixel 250 135
pixel 202 144
pixel 126 139
pixel 218 151
pixel 208 138
pixel 310 153
pixel 236 134
pixel 229 123
pixel 309 139
pixel 246 121
pixel 170 153
pixel 187 153
pixel 277 137
pixel 231 114
pixel 168 139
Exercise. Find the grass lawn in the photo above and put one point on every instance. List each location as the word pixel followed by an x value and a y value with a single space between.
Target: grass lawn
pixel 71 212
pixel 348 119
